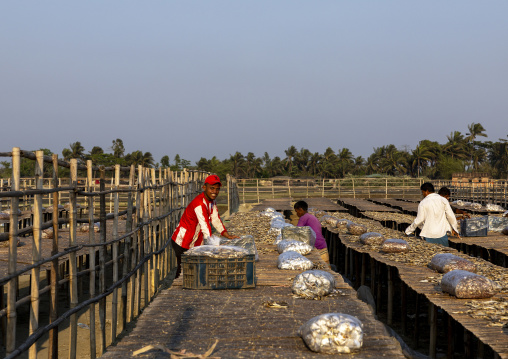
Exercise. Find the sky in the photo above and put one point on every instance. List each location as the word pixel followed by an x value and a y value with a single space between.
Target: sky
pixel 209 78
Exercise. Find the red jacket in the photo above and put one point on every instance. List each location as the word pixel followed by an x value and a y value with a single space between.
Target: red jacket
pixel 196 222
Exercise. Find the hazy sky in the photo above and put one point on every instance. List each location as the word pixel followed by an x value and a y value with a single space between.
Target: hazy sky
pixel 209 78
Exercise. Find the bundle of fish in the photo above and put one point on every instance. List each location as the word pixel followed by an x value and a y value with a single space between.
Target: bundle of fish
pixel 4 216
pixel 313 284
pixel 332 333
pixel 293 245
pixel 6 244
pixel 476 205
pixel 9 211
pixel 395 245
pixel 372 238
pixel 497 224
pixel 328 220
pixel 246 242
pixel 445 262
pixel 356 229
pixel 302 234
pixel 222 252
pixel 342 223
pixel 294 261
pixel 47 233
pixel 494 207
pixel 86 227
pixel 505 231
pixel 277 224
pixel 467 285
pixel 50 208
pixel 316 212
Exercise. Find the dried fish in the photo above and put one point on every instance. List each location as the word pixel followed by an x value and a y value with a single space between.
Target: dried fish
pixel 464 284
pixel 332 333
pixel 313 284
pixel 395 245
pixel 302 234
pixel 356 229
pixel 372 238
pixel 445 262
pixel 293 245
pixel 293 260
pixel 217 251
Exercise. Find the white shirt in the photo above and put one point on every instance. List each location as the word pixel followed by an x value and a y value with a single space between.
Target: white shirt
pixel 436 215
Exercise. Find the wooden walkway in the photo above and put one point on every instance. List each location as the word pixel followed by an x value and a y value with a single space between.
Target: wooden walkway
pixel 280 204
pixel 493 248
pixel 357 205
pixel 324 204
pixel 244 327
pixel 405 207
pixel 357 261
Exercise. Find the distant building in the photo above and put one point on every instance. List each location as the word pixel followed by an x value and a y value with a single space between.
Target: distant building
pixel 481 179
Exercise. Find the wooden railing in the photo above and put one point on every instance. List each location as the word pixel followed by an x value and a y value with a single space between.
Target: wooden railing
pixel 256 190
pixel 126 269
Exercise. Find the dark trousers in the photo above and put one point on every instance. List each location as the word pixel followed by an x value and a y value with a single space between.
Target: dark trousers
pixel 178 252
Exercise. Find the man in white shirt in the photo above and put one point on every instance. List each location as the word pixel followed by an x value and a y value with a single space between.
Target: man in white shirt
pixel 436 215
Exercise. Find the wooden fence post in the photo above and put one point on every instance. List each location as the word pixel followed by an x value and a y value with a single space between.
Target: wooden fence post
pixel 10 344
pixel 102 259
pixel 91 255
pixel 73 277
pixel 36 251
pixel 114 302
pixel 53 305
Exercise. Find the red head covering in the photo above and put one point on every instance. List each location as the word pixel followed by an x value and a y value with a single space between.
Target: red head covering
pixel 213 179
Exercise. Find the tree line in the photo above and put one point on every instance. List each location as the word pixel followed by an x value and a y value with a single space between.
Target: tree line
pixel 461 153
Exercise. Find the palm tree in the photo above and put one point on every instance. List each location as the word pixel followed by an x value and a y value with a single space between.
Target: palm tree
pixel 75 150
pixel 421 155
pixel 118 148
pixel 314 162
pixel 290 155
pixel 345 160
pixel 237 161
pixel 456 146
pixel 475 130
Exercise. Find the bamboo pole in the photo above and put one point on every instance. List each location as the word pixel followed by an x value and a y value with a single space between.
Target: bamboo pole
pixel 102 260
pixel 139 245
pixel 73 278
pixel 53 305
pixel 114 302
pixel 131 246
pixel 36 252
pixel 91 260
pixel 145 241
pixel 13 254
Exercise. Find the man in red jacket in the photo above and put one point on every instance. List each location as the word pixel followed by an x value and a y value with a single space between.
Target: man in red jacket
pixel 197 220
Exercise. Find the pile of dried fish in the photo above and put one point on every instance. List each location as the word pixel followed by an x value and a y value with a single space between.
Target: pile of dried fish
pixel 246 242
pixel 389 216
pixel 496 311
pixel 445 262
pixel 86 227
pixel 332 333
pixel 494 207
pixel 467 285
pixel 328 220
pixel 293 245
pixel 371 238
pixel 497 224
pixel 302 234
pixel 4 216
pixel 395 245
pixel 342 223
pixel 47 233
pixel 356 229
pixel 221 252
pixel 294 261
pixel 505 231
pixel 313 284
pixel 243 223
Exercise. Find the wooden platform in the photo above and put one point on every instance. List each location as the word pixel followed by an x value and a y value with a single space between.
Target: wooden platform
pixel 493 248
pixel 245 328
pixel 404 206
pixel 362 260
pixel 280 205
pixel 356 205
pixel 324 204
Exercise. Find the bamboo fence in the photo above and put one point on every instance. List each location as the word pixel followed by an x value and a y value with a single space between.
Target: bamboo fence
pixel 127 268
